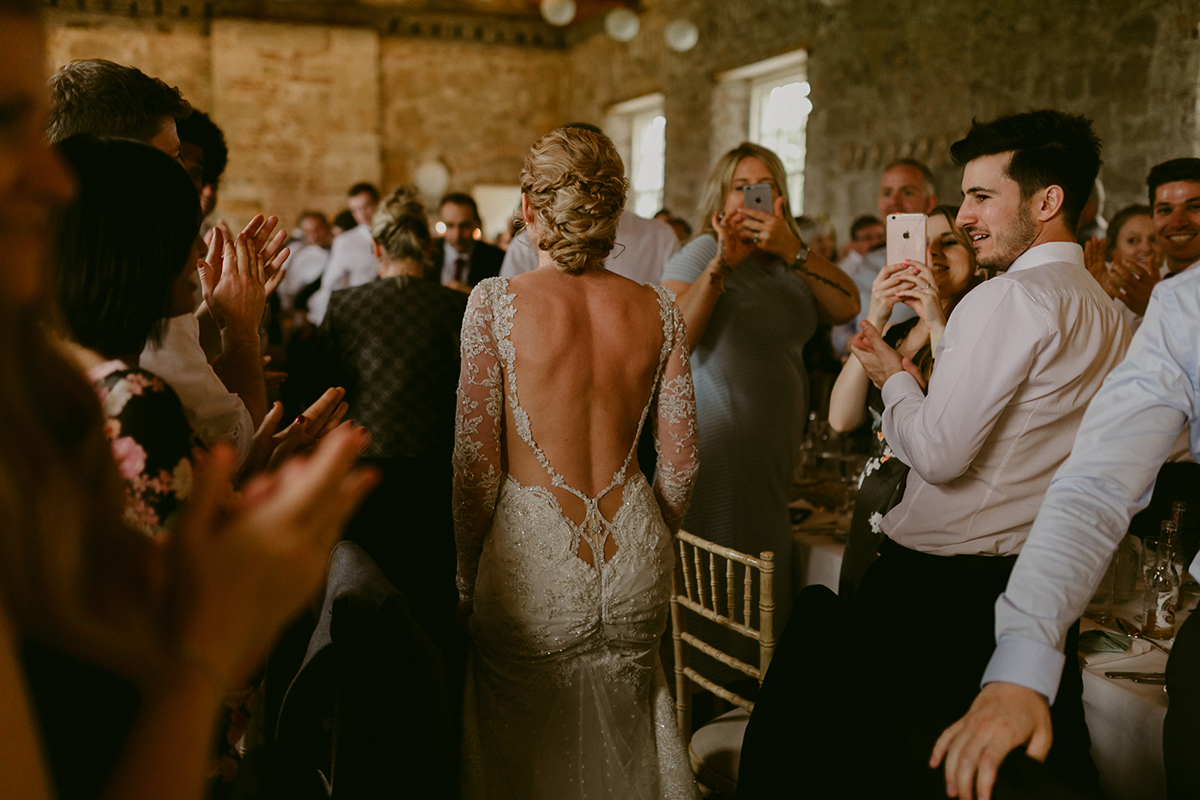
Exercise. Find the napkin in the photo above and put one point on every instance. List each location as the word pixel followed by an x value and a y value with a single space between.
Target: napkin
pixel 1104 647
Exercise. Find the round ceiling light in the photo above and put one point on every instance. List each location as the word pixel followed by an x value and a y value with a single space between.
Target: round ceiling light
pixel 558 12
pixel 622 24
pixel 681 35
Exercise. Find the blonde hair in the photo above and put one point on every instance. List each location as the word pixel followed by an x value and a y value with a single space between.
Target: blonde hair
pixel 720 183
pixel 575 182
pixel 401 227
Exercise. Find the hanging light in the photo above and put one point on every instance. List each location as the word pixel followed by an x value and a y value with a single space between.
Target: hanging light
pixel 432 178
pixel 681 35
pixel 558 12
pixel 622 24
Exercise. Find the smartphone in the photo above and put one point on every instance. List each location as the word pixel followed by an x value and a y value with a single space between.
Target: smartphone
pixel 906 238
pixel 758 197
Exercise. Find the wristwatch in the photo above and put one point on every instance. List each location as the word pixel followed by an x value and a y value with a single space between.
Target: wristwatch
pixel 802 256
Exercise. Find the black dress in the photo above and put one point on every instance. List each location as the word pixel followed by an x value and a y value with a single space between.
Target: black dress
pixel 881 487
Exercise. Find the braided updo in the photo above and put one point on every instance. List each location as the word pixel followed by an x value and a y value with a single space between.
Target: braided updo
pixel 575 182
pixel 400 226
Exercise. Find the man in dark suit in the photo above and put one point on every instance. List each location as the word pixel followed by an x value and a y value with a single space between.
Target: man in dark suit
pixel 458 259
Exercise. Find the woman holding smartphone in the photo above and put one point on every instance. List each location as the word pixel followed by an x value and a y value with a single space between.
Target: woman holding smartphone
pixel 752 295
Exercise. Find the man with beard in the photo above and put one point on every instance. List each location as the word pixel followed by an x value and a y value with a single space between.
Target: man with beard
pixel 1019 360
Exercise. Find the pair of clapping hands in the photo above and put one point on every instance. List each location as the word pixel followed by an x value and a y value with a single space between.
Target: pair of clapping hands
pixel 239 273
pixel 1127 281
pixel 914 284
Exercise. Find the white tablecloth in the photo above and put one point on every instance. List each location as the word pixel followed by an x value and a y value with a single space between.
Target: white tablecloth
pixel 1124 718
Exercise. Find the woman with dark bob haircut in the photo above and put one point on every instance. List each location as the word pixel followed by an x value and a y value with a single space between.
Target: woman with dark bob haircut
pixel 124 264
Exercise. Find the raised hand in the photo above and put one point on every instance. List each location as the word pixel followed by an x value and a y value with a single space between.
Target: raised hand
pixel 768 232
pixel 731 249
pixel 1003 717
pixel 239 570
pixel 238 298
pixel 920 293
pixel 1132 284
pixel 879 359
pixel 883 292
pixel 1093 259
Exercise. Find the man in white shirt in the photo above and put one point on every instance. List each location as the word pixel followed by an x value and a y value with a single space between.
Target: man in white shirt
pixel 906 188
pixel 1019 360
pixel 307 263
pixel 1128 432
pixel 352 259
pixel 641 252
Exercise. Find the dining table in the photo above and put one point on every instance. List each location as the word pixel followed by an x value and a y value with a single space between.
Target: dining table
pixel 1124 718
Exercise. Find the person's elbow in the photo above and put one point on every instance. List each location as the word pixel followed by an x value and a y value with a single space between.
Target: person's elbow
pixel 844 420
pixel 938 470
pixel 840 311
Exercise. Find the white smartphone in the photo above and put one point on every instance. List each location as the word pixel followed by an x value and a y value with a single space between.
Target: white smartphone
pixel 758 197
pixel 905 238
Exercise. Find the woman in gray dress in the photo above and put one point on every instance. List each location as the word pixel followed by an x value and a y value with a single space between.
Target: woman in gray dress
pixel 752 295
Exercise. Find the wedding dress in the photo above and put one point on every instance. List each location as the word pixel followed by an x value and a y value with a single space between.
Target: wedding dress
pixel 566 696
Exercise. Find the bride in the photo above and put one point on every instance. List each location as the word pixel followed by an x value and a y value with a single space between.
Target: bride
pixel 564 550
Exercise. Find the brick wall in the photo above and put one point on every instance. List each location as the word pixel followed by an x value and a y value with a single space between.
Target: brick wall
pixel 309 109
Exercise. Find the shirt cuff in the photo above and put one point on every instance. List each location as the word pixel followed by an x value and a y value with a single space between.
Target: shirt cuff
pixel 1026 662
pixel 899 385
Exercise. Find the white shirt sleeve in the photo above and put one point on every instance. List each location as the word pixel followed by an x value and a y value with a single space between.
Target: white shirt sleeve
pixel 215 413
pixel 983 358
pixel 1125 437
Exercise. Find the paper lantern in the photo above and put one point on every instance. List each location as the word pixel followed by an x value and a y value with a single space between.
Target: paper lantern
pixel 681 35
pixel 558 12
pixel 622 24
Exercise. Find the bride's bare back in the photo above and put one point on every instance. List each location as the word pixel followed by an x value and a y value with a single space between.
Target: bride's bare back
pixel 587 353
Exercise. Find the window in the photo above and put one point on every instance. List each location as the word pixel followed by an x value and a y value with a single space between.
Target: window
pixel 639 127
pixel 778 112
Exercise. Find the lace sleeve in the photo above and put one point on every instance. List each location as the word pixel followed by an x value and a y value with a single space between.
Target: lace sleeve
pixel 476 436
pixel 675 436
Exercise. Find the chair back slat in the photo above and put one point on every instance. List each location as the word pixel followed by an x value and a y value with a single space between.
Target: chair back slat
pixel 707 603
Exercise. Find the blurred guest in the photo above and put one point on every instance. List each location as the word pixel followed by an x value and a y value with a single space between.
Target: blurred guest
pixel 1127 262
pixel 752 294
pixel 1091 220
pixel 205 154
pixel 664 214
pixel 307 263
pixel 1175 197
pixel 866 233
pixel 949 270
pixel 125 263
pixel 907 187
pixel 351 259
pixel 683 231
pixel 819 234
pixel 641 252
pixel 1018 362
pixel 342 222
pixel 459 258
pixel 227 401
pixel 394 344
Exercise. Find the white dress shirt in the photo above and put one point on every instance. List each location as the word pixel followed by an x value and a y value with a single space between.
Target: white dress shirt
pixel 351 263
pixel 304 266
pixel 450 258
pixel 1021 356
pixel 215 413
pixel 1124 439
pixel 641 253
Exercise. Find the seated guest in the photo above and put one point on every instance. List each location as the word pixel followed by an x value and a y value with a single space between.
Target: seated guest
pixel 225 401
pixel 1016 366
pixel 458 259
pixel 950 272
pixel 125 263
pixel 307 263
pixel 640 254
pixel 351 259
pixel 394 345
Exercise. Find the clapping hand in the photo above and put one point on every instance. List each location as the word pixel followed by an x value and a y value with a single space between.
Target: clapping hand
pixel 271 449
pixel 1093 259
pixel 879 360
pixel 239 569
pixel 237 276
pixel 1131 283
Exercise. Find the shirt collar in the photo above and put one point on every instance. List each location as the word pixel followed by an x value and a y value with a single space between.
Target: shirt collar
pixel 1049 253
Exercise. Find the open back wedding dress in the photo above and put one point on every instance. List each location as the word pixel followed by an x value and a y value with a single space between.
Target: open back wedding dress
pixel 566 696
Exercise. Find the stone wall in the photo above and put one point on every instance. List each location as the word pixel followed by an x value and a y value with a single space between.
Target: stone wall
pixel 906 77
pixel 309 109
